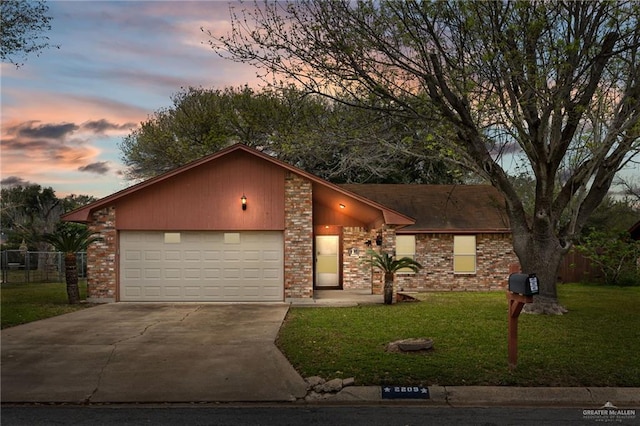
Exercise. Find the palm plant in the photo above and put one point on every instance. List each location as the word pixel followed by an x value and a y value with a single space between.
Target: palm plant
pixel 389 266
pixel 71 239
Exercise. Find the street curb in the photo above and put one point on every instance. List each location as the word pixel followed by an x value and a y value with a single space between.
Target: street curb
pixel 483 396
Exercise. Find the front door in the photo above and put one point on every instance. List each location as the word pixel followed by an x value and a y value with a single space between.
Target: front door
pixel 327 261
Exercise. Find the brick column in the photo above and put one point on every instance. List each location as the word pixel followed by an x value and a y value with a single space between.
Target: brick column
pixel 101 258
pixel 298 237
pixel 355 275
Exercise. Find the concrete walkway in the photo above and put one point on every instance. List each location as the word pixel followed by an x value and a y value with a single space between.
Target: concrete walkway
pixel 150 353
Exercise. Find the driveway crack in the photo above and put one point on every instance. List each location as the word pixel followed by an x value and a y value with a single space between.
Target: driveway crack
pixel 148 326
pixel 100 374
pixel 191 312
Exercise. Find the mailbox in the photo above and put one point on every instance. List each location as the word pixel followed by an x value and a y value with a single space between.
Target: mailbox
pixel 525 284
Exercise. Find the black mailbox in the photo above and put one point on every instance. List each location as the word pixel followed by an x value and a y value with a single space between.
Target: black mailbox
pixel 525 284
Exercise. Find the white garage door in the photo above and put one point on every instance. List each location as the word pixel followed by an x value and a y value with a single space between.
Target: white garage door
pixel 201 266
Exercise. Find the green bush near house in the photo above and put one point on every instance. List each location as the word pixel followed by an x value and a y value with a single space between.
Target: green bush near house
pixel 595 344
pixel 26 302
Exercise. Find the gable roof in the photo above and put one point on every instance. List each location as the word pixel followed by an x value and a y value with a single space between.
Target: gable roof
pixel 324 191
pixel 442 208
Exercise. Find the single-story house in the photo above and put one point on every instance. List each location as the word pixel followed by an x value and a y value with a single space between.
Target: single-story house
pixel 240 225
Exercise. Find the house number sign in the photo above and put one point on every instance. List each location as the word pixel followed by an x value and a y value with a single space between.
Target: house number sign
pixel 405 392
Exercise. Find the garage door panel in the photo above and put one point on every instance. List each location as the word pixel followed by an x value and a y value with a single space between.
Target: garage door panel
pixel 251 274
pixel 152 274
pixel 212 273
pixel 193 291
pixel 201 266
pixel 150 291
pixel 172 274
pixel 270 274
pixel 192 274
pixel 168 255
pixel 173 292
pixel 192 255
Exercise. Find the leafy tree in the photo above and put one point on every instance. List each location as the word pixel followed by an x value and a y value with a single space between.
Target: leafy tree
pixel 615 253
pixel 389 265
pixel 71 239
pixel 613 215
pixel 22 27
pixel 555 83
pixel 332 140
pixel 28 212
pixel 73 201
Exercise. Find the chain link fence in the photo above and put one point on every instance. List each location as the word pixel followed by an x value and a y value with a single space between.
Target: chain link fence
pixel 19 266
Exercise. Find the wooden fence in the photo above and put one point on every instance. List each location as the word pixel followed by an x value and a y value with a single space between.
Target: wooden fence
pixel 575 267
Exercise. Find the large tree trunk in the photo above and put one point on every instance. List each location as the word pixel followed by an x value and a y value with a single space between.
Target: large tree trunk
pixel 541 256
pixel 71 273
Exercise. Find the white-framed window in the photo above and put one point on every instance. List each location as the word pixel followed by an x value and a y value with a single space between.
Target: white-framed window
pixel 464 254
pixel 405 247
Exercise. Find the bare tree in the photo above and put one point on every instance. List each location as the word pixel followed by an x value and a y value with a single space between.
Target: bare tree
pixel 554 82
pixel 23 24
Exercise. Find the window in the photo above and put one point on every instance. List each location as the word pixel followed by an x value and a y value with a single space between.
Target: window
pixel 464 254
pixel 405 247
pixel 232 238
pixel 172 238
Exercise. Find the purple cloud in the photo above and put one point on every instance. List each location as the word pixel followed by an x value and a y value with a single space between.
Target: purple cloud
pixel 13 181
pixel 101 126
pixel 100 168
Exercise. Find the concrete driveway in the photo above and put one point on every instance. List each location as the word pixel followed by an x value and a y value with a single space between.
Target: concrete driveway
pixel 125 352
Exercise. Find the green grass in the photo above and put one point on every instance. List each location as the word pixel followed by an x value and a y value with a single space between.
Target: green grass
pixel 22 303
pixel 596 344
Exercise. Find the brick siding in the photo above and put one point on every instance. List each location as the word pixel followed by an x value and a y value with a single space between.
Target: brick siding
pixel 101 258
pixel 298 237
pixel 435 252
pixel 355 274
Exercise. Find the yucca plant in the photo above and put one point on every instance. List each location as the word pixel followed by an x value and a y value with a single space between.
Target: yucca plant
pixel 389 266
pixel 71 239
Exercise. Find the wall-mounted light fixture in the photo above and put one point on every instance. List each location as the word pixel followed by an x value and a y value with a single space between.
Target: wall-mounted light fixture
pixel 342 206
pixel 243 200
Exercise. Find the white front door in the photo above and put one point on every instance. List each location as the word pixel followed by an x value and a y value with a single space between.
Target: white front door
pixel 327 267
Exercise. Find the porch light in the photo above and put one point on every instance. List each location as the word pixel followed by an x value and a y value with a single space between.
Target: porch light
pixel 243 200
pixel 342 206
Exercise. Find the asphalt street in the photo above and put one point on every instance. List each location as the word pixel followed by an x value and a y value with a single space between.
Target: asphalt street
pixel 196 415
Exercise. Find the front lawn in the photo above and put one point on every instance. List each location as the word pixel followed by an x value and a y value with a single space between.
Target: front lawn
pixel 26 302
pixel 596 344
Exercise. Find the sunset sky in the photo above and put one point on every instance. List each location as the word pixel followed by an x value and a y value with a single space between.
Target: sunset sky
pixel 65 112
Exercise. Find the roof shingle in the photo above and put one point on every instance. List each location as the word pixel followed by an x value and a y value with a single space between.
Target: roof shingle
pixel 441 208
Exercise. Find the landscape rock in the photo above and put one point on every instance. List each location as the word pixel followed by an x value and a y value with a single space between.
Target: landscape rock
pixel 314 381
pixel 334 385
pixel 319 389
pixel 410 345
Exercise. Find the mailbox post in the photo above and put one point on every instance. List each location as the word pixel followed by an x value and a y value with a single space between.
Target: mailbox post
pixel 522 287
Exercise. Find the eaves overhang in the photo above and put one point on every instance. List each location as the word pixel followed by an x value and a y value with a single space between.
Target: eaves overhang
pixel 324 192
